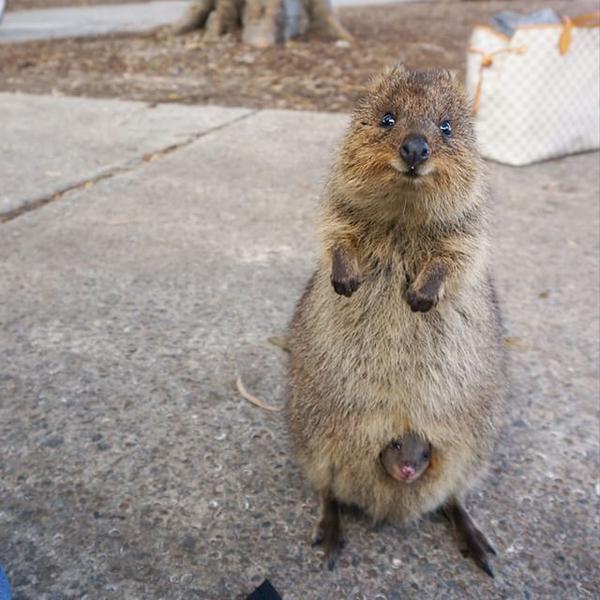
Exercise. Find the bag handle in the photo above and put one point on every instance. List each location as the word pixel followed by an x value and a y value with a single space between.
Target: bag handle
pixel 564 43
pixel 587 20
pixel 487 60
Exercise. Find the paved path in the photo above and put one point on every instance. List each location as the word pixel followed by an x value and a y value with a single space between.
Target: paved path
pixel 77 140
pixel 130 467
pixel 100 20
pixel 88 20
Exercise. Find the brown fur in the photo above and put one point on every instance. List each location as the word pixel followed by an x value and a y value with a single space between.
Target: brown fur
pixel 366 369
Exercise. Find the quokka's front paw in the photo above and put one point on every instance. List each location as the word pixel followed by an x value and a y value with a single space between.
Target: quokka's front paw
pixel 422 300
pixel 425 292
pixel 346 285
pixel 345 274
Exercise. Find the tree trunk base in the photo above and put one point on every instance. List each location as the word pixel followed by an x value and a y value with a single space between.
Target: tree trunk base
pixel 264 23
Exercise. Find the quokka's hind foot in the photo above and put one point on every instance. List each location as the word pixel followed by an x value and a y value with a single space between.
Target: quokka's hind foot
pixel 472 541
pixel 328 532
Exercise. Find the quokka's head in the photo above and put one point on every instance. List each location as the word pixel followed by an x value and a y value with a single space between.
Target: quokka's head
pixel 411 132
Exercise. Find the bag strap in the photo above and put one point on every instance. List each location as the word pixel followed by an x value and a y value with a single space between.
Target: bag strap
pixel 564 43
pixel 487 60
pixel 587 20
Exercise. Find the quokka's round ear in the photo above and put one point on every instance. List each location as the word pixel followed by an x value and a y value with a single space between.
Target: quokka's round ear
pixel 383 77
pixel 449 74
pixel 375 83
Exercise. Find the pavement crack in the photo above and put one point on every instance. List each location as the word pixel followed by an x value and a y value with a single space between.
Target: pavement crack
pixel 119 169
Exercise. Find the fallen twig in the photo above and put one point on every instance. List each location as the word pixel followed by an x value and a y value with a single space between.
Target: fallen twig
pixel 279 341
pixel 244 393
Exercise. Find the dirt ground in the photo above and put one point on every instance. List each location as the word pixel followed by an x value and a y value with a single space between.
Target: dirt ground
pixel 305 74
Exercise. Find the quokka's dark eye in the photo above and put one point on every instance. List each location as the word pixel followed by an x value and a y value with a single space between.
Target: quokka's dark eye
pixel 388 120
pixel 446 127
pixel 396 445
pixel 426 455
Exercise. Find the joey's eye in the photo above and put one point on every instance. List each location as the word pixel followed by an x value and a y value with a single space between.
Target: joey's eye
pixel 446 127
pixel 426 455
pixel 396 445
pixel 388 120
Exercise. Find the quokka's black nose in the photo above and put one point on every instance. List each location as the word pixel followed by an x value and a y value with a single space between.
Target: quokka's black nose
pixel 414 150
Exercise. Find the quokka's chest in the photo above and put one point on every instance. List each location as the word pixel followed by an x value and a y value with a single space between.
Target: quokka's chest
pixel 396 258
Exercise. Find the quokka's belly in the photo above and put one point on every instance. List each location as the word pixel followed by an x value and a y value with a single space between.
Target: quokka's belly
pixel 376 370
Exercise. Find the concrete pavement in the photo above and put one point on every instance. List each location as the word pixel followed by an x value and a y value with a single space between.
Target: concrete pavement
pixel 85 21
pixel 79 140
pixel 130 467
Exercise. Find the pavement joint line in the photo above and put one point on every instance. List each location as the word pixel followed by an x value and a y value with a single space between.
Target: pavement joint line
pixel 129 166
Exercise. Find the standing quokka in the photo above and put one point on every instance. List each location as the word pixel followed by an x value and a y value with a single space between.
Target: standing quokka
pixel 398 328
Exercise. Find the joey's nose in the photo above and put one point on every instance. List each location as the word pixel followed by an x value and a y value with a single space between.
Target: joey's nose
pixel 414 150
pixel 407 472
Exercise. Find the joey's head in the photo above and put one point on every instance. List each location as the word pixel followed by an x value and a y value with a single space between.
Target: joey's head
pixel 406 458
pixel 411 133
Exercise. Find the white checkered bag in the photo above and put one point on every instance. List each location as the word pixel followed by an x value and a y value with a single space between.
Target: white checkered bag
pixel 536 94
